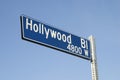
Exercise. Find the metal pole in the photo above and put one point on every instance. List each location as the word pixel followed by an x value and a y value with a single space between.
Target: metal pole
pixel 93 60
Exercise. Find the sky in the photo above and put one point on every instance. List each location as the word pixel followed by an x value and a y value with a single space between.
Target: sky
pixel 23 60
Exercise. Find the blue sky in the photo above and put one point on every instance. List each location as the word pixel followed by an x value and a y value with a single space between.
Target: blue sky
pixel 22 60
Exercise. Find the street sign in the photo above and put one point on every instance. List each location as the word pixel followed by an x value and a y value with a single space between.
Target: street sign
pixel 38 32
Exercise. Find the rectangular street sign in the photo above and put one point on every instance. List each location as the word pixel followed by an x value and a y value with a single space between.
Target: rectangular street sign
pixel 38 32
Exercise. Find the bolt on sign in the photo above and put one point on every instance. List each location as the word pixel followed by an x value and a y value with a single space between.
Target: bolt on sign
pixel 38 32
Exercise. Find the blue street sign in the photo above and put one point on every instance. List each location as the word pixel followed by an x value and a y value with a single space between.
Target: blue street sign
pixel 41 33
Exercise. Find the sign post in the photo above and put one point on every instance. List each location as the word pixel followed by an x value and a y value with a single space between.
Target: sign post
pixel 93 59
pixel 38 32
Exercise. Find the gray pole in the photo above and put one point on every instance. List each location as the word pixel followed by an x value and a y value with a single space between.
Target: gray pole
pixel 93 60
